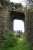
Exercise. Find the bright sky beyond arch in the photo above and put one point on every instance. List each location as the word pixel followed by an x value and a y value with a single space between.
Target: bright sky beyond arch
pixel 18 25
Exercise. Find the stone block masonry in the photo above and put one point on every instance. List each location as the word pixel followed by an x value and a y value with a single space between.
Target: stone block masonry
pixel 4 22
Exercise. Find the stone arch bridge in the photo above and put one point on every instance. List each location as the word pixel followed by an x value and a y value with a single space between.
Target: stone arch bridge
pixel 27 17
pixel 7 16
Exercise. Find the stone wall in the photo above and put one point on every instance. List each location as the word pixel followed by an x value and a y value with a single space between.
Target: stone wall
pixel 31 15
pixel 4 16
pixel 29 25
pixel 4 22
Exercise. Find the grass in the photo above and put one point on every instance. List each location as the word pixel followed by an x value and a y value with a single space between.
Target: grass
pixel 22 44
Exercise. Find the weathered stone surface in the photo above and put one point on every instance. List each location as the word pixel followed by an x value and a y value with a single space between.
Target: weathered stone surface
pixel 4 22
pixel 4 16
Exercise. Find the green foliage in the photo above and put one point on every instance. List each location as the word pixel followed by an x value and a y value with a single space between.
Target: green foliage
pixel 10 39
pixel 22 45
pixel 11 42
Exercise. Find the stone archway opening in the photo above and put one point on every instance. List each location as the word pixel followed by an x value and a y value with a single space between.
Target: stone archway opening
pixel 20 16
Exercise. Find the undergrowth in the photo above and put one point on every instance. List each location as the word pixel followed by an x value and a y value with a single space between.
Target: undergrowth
pixel 11 42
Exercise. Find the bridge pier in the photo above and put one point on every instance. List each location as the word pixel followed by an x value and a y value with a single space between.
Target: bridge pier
pixel 29 25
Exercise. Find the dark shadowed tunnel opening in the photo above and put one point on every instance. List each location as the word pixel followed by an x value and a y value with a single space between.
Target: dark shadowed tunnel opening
pixel 18 19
